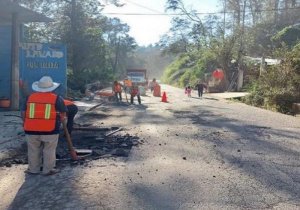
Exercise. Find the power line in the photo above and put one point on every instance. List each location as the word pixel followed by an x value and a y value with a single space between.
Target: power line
pixel 142 6
pixel 142 14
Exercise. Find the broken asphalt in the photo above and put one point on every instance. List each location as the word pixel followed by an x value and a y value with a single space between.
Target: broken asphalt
pixel 189 153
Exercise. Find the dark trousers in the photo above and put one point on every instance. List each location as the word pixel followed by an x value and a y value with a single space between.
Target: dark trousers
pixel 72 111
pixel 118 98
pixel 200 92
pixel 132 97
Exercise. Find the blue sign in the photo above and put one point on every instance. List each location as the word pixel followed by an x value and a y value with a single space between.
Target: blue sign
pixel 136 76
pixel 43 59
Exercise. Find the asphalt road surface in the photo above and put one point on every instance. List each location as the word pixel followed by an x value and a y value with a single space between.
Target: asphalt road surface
pixel 197 154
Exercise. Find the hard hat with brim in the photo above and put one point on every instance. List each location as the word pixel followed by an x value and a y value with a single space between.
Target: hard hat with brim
pixel 45 84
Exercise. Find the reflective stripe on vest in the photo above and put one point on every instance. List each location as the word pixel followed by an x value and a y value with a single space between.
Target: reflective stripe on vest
pixel 47 111
pixel 41 113
pixel 32 110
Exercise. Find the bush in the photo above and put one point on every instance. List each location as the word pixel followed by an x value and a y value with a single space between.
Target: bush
pixel 279 87
pixel 171 73
pixel 190 67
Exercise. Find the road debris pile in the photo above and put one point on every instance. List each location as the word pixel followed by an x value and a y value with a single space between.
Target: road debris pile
pixel 91 143
pixel 90 139
pixel 95 143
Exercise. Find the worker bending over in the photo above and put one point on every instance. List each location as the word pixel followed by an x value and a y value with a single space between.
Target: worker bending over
pixel 135 92
pixel 117 89
pixel 72 110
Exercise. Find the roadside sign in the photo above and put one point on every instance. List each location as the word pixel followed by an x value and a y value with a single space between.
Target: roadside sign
pixel 41 59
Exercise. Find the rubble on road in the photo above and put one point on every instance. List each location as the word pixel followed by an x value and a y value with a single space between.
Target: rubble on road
pixel 96 143
pixel 87 135
pixel 100 143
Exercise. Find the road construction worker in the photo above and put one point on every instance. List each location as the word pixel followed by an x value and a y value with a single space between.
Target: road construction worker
pixel 200 87
pixel 72 110
pixel 156 90
pixel 117 89
pixel 127 86
pixel 134 91
pixel 127 83
pixel 152 84
pixel 42 114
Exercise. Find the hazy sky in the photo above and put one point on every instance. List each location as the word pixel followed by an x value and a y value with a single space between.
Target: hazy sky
pixel 147 29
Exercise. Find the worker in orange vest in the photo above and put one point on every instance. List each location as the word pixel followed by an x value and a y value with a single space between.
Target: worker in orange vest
pixel 127 86
pixel 42 115
pixel 135 92
pixel 72 110
pixel 117 89
pixel 127 83
pixel 156 90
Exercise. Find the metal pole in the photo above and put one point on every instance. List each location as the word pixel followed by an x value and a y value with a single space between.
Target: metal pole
pixel 15 98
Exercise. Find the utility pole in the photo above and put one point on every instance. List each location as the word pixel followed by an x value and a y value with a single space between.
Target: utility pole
pixel 224 20
pixel 240 70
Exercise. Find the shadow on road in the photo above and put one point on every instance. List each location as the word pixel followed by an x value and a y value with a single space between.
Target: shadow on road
pixel 209 98
pixel 59 191
pixel 267 154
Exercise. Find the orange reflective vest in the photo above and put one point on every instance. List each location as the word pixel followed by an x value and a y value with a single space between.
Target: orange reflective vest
pixel 40 113
pixel 68 102
pixel 127 83
pixel 134 91
pixel 117 88
pixel 156 91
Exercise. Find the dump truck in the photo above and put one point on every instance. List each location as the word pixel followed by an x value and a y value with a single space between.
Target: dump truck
pixel 138 76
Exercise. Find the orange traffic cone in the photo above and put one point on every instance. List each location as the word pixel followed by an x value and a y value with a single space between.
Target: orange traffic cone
pixel 164 97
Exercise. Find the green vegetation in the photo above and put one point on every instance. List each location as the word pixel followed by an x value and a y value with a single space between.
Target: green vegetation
pixel 279 86
pixel 288 36
pixel 254 29
pixel 100 48
pixel 188 68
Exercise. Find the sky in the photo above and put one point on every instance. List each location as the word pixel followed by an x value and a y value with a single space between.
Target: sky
pixel 147 29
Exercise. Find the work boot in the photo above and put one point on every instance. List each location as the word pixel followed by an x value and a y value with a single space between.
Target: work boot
pixel 31 173
pixel 52 172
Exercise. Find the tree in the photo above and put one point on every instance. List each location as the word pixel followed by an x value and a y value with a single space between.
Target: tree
pixel 80 25
pixel 120 44
pixel 290 36
pixel 199 37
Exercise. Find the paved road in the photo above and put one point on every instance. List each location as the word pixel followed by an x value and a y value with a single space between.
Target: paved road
pixel 198 154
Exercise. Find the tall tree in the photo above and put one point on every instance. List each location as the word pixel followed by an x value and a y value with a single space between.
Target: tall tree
pixel 116 35
pixel 80 25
